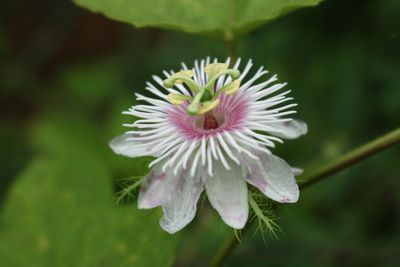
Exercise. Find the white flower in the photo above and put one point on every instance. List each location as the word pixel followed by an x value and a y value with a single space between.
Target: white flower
pixel 211 128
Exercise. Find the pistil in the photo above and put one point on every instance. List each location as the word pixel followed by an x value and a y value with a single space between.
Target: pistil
pixel 204 97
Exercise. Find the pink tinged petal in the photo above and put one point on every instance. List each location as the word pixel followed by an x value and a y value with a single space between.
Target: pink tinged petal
pixel 297 171
pixel 227 193
pixel 121 145
pixel 180 209
pixel 272 176
pixel 290 129
pixel 158 187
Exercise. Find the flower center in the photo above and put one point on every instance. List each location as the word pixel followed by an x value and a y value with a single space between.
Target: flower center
pixel 228 116
pixel 210 122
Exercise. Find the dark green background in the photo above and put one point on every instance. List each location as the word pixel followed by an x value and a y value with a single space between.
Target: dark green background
pixel 66 74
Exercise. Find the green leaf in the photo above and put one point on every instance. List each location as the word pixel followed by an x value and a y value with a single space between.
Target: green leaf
pixel 57 133
pixel 61 212
pixel 224 19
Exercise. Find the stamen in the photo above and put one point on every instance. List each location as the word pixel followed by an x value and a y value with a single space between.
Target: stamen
pixel 177 99
pixel 207 106
pixel 214 68
pixel 229 89
pixel 204 97
pixel 184 76
pixel 185 73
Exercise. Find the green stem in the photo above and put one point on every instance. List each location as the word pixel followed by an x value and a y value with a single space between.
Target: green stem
pixel 230 45
pixel 194 106
pixel 169 83
pixel 225 249
pixel 351 158
pixel 330 168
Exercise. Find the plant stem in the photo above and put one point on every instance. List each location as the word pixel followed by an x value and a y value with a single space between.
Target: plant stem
pixel 231 48
pixel 351 158
pixel 330 168
pixel 226 249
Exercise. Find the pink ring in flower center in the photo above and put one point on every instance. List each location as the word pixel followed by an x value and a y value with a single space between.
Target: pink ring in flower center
pixel 230 114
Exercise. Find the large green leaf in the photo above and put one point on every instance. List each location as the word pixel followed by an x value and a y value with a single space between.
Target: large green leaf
pixel 58 133
pixel 222 18
pixel 60 212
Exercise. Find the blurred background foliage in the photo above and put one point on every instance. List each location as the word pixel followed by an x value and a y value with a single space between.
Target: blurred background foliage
pixel 66 75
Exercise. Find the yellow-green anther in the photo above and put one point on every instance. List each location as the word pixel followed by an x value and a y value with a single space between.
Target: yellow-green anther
pixel 234 88
pixel 207 106
pixel 183 73
pixel 229 89
pixel 177 99
pixel 231 72
pixel 180 77
pixel 214 68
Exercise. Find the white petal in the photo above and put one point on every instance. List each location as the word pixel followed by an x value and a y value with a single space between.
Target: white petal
pixel 272 176
pixel 297 171
pixel 181 208
pixel 227 193
pixel 158 187
pixel 123 146
pixel 290 129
